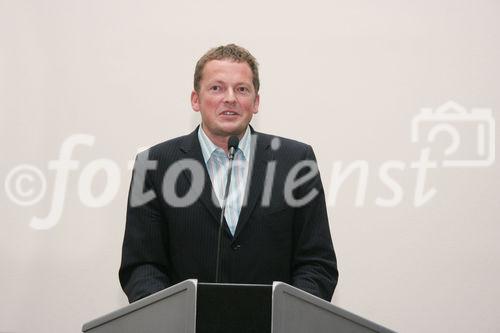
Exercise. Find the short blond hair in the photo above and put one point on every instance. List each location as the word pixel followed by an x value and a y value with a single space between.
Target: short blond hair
pixel 232 52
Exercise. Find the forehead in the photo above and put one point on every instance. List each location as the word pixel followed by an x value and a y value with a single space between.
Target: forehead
pixel 227 70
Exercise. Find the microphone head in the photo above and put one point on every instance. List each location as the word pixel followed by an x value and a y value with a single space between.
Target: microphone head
pixel 233 142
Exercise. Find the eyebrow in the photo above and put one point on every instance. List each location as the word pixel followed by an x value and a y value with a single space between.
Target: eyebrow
pixel 222 82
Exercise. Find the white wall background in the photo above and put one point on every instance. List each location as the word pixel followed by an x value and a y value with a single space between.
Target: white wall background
pixel 344 76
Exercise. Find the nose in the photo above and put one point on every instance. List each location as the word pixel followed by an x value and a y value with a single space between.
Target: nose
pixel 229 96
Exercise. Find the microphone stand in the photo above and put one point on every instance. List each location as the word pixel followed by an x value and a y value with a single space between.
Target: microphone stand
pixel 232 150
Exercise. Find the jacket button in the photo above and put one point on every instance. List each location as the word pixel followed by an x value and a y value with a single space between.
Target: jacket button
pixel 236 247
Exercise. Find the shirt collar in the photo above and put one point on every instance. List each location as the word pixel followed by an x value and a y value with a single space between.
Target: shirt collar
pixel 208 147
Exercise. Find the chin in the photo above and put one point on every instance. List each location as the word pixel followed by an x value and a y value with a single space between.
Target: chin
pixel 233 130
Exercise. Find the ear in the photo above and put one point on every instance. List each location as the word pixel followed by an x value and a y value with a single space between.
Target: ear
pixel 256 104
pixel 195 101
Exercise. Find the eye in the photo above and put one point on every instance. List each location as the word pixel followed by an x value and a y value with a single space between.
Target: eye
pixel 215 88
pixel 243 89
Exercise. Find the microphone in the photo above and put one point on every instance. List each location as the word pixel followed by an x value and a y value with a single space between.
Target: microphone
pixel 232 145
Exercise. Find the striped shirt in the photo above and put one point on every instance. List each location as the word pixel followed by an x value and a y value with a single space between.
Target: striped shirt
pixel 217 164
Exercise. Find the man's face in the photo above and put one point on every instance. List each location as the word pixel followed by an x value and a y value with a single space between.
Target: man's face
pixel 227 99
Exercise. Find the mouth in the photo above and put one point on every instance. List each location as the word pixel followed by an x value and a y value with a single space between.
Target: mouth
pixel 228 113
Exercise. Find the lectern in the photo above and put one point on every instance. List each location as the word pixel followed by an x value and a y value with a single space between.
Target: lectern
pixel 192 307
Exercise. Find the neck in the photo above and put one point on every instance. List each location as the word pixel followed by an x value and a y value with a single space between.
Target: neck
pixel 221 141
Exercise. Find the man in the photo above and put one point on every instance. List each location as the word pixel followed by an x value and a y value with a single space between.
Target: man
pixel 275 225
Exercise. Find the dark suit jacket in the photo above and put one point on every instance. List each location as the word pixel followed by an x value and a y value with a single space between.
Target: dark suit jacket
pixel 164 245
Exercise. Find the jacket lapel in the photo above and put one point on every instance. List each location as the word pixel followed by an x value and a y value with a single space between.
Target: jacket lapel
pixel 261 154
pixel 192 150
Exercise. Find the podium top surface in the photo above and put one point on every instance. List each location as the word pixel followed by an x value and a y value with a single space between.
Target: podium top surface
pixel 190 306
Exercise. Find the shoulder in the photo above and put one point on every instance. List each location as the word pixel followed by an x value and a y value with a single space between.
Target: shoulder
pixel 285 146
pixel 170 148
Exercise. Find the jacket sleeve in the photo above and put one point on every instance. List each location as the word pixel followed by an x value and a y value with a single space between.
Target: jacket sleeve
pixel 144 264
pixel 314 264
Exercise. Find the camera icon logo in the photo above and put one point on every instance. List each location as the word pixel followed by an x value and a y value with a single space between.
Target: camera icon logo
pixel 453 119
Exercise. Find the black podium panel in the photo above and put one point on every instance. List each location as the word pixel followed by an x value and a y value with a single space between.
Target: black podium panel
pixel 228 308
